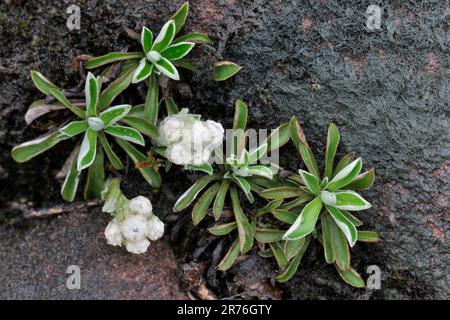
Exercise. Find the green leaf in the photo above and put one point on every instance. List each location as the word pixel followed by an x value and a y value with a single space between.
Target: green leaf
pixel 223 229
pixel 220 199
pixel 326 239
pixel 302 146
pixel 310 181
pixel 113 158
pixel 244 228
pixel 350 200
pixel 340 247
pixel 146 39
pixel 298 202
pixel 151 106
pixel 368 236
pixel 143 71
pixel 306 221
pixel 165 36
pixel 243 184
pixel 268 235
pixel 278 254
pixel 112 57
pixel 228 261
pixel 180 17
pixel 30 149
pixel 363 181
pixel 91 91
pixel 345 176
pixel 293 247
pixel 269 207
pixel 126 133
pixel 114 89
pixel 74 128
pixel 292 266
pixel 278 137
pixel 190 194
pixel 281 193
pixel 346 226
pixel 143 126
pixel 55 92
pixel 285 216
pixel 171 106
pixel 352 278
pixel 201 207
pixel 333 138
pixel 257 153
pixel 95 182
pixel 149 174
pixel 345 161
pixel 185 64
pixel 70 185
pixel 194 37
pixel 167 68
pixel 261 171
pixel 88 150
pixel 41 82
pixel 113 114
pixel 178 50
pixel 224 70
pixel 352 218
pixel 205 167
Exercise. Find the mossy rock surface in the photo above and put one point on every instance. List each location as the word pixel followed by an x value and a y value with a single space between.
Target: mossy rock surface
pixel 387 90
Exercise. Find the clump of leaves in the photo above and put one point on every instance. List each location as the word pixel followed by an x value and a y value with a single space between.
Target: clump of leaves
pixel 319 207
pixel 239 172
pixel 161 55
pixel 96 122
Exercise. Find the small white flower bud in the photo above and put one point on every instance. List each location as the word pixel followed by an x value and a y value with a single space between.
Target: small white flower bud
pixel 328 198
pixel 178 154
pixel 96 123
pixel 138 246
pixel 156 228
pixel 142 206
pixel 153 56
pixel 113 234
pixel 170 130
pixel 134 228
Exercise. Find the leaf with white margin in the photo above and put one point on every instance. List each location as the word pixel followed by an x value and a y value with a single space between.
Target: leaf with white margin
pixel 310 181
pixel 70 185
pixel 30 149
pixel 88 150
pixel 143 71
pixel 350 201
pixel 257 153
pixel 167 68
pixel 165 36
pixel 114 114
pixel 347 227
pixel 306 221
pixel 177 51
pixel 74 128
pixel 345 176
pixel 91 91
pixel 126 133
pixel 146 39
pixel 261 171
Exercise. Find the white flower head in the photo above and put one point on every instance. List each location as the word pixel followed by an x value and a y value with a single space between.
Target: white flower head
pixel 171 130
pixel 141 206
pixel 179 154
pixel 134 228
pixel 138 246
pixel 113 234
pixel 215 132
pixel 155 228
pixel 195 135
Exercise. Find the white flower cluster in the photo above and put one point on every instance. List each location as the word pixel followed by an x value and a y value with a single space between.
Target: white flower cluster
pixel 136 227
pixel 189 141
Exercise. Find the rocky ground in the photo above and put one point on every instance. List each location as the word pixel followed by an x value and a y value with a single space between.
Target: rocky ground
pixel 388 91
